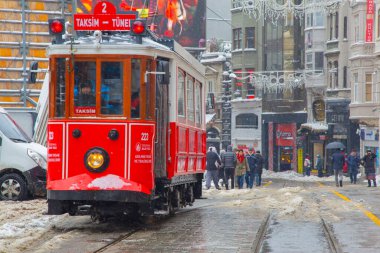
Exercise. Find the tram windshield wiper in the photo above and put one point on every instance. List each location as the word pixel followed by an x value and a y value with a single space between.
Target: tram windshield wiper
pixel 18 140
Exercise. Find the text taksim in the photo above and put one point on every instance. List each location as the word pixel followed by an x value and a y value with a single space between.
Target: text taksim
pixel 88 22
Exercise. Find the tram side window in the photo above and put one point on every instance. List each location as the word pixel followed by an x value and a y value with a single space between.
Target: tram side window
pixel 84 86
pixel 181 94
pixel 60 88
pixel 112 88
pixel 135 89
pixel 190 98
pixel 149 104
pixel 198 103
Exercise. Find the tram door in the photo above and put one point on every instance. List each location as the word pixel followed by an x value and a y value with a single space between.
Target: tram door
pixel 162 119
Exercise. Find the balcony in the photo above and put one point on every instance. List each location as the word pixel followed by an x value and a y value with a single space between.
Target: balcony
pixel 332 47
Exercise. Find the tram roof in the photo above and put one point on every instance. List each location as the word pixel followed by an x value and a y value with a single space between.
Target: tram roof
pixel 125 43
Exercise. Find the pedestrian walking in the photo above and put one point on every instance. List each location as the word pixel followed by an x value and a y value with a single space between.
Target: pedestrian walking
pixel 221 168
pixel 369 161
pixel 353 162
pixel 241 168
pixel 337 165
pixel 319 165
pixel 213 162
pixel 229 162
pixel 251 171
pixel 259 167
pixel 307 165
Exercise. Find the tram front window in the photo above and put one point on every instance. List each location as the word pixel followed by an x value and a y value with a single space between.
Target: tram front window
pixel 112 88
pixel 84 87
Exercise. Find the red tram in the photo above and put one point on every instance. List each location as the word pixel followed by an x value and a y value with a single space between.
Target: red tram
pixel 126 128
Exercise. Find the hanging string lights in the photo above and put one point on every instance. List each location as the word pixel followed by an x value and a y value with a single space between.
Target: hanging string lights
pixel 275 10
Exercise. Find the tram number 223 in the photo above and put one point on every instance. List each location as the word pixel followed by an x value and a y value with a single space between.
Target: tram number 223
pixel 145 136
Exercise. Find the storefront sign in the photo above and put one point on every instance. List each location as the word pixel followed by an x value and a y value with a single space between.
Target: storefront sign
pixel 284 135
pixel 369 21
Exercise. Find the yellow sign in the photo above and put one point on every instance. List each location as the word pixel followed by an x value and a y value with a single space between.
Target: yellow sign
pixel 300 160
pixel 143 13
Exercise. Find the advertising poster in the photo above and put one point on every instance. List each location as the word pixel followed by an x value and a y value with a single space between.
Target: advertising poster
pixel 181 20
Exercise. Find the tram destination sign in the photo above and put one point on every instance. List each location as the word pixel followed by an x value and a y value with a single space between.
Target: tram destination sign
pixel 116 22
pixel 104 18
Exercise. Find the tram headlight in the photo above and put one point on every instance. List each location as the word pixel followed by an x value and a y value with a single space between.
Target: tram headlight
pixel 96 160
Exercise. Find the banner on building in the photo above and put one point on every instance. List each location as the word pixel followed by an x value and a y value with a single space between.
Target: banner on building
pixel 181 20
pixel 369 21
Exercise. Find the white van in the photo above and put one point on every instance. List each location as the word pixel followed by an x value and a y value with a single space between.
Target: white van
pixel 22 162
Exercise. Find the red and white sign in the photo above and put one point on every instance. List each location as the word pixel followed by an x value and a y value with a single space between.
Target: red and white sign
pixel 284 135
pixel 141 153
pixel 55 151
pixel 85 110
pixel 104 18
pixel 369 21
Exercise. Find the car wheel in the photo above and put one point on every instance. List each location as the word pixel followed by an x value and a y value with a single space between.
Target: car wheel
pixel 12 187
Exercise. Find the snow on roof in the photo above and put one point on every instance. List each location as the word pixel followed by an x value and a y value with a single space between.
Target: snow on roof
pixel 316 126
pixel 219 58
pixel 209 117
pixel 245 99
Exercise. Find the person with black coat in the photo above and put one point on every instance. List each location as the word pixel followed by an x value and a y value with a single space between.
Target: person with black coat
pixel 259 167
pixel 369 163
pixel 337 165
pixel 213 162
pixel 229 163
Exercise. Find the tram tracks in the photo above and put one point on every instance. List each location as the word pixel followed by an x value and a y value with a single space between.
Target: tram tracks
pixel 263 233
pixel 157 219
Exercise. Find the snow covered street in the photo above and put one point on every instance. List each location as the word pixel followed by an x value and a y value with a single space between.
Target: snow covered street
pixel 24 227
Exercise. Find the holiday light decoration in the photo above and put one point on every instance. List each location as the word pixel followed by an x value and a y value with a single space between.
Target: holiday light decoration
pixel 275 10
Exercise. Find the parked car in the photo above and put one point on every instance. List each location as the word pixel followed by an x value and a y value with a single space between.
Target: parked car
pixel 22 162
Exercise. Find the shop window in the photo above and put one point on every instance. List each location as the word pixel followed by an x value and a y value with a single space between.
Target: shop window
pixel 247 120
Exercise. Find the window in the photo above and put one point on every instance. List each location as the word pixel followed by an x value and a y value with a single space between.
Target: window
pixel 247 120
pixel 237 37
pixel 210 86
pixel 331 28
pixel 190 97
pixel 10 129
pixel 319 19
pixel 345 28
pixel 336 74
pixel 356 28
pixel 84 87
pixel 356 87
pixel 336 25
pixel 309 61
pixel 250 37
pixel 319 56
pixel 378 23
pixel 181 94
pixel 345 77
pixel 309 38
pixel 135 89
pixel 309 20
pixel 112 88
pixel 149 91
pixel 368 87
pixel 60 88
pixel 198 103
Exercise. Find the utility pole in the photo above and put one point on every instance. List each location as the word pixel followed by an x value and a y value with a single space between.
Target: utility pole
pixel 226 109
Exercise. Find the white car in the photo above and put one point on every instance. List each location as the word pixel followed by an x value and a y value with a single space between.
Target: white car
pixel 22 162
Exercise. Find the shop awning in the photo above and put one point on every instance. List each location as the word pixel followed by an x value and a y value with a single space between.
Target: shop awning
pixel 314 127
